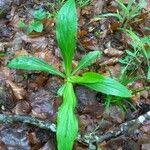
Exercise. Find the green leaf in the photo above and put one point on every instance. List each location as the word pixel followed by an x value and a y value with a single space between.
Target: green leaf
pixel 37 26
pixel 2 54
pixel 123 7
pixel 131 53
pixel 87 60
pixel 30 28
pixel 39 14
pixel 104 84
pixel 33 63
pixel 61 90
pixel 67 124
pixel 88 77
pixel 22 25
pixel 66 33
pixel 117 15
pixel 142 3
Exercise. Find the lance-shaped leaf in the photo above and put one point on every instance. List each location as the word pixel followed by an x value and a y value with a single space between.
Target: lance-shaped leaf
pixel 87 60
pixel 117 15
pixel 88 77
pixel 66 33
pixel 67 124
pixel 33 63
pixel 105 84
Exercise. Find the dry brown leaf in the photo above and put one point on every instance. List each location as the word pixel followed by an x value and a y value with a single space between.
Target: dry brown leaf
pixel 42 107
pixel 114 26
pixel 33 138
pixel 136 99
pixel 22 107
pixel 48 23
pixel 114 70
pixel 112 9
pixel 82 33
pixel 110 62
pixel 111 52
pixel 3 145
pixel 49 57
pixel 37 43
pixel 89 44
pixel 21 53
pixel 19 92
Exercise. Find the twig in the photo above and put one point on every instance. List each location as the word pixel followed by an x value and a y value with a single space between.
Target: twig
pixel 122 129
pixel 9 119
pixel 86 139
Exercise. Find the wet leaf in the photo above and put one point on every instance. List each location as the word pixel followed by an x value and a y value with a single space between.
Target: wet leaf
pixel 67 127
pixel 33 63
pixel 66 32
pixel 105 84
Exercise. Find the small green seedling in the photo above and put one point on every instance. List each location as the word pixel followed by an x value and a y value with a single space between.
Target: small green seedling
pixel 66 34
pixel 37 23
pixel 128 12
pixel 139 54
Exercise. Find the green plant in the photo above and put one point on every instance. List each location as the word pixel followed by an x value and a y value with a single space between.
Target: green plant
pixel 124 79
pixel 66 34
pixel 37 23
pixel 83 3
pixel 80 3
pixel 139 55
pixel 128 12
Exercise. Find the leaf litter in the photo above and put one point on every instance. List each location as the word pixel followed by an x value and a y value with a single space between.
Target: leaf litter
pixel 35 93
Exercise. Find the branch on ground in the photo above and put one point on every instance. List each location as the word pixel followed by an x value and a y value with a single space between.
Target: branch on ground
pixel 85 139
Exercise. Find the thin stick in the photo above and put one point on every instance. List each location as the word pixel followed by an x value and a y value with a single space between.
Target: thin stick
pixel 86 139
pixel 9 119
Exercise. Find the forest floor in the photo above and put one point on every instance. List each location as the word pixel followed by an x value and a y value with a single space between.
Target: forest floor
pixel 35 94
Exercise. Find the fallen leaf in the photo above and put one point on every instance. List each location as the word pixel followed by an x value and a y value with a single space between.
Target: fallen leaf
pixel 110 62
pixel 15 137
pixel 22 107
pixel 112 52
pixel 19 92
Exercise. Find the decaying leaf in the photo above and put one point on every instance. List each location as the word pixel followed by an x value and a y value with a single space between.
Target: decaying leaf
pixel 37 43
pixel 42 107
pixel 22 107
pixel 112 52
pixel 15 137
pixel 19 92
pixel 110 62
